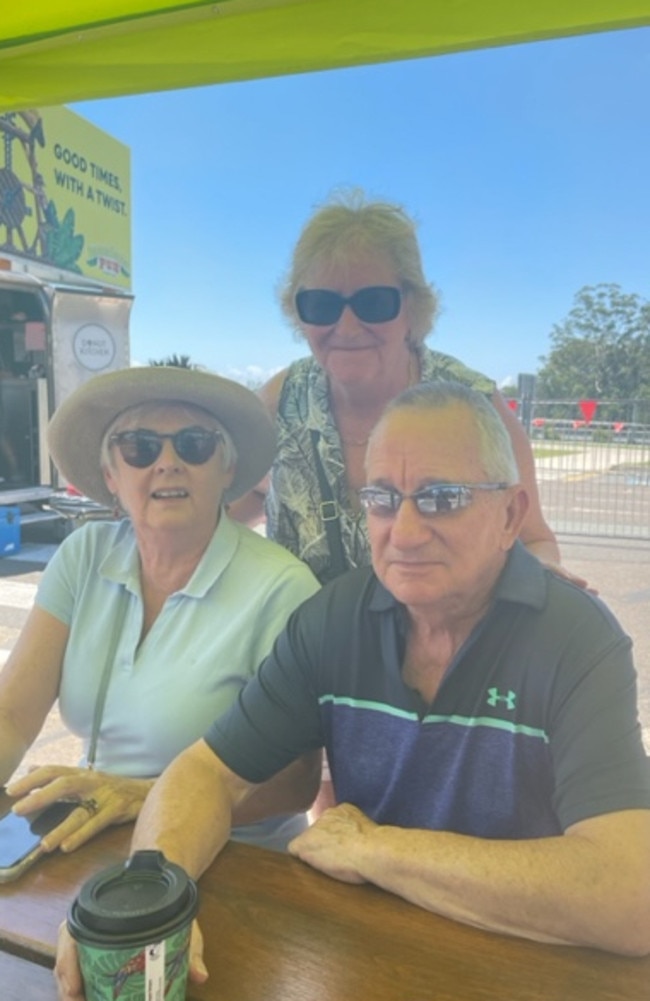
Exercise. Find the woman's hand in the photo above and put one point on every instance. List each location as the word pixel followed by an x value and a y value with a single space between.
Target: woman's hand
pixel 103 800
pixel 561 571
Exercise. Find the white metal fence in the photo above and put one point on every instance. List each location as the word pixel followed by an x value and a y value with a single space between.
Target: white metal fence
pixel 593 475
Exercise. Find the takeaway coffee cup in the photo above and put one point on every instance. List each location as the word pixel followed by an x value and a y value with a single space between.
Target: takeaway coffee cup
pixel 132 927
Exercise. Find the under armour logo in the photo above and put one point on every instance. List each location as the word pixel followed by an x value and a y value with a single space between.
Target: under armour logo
pixel 494 697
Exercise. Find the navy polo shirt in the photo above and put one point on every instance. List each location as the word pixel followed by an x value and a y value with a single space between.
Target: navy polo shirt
pixel 533 728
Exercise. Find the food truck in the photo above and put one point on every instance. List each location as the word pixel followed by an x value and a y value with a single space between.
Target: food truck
pixel 65 280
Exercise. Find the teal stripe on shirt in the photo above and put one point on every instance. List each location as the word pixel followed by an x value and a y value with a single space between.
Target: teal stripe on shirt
pixel 467 721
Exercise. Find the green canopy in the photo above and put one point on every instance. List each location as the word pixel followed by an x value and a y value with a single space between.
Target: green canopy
pixel 57 51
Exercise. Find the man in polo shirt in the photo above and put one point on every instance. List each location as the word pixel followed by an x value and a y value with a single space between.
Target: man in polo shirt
pixel 478 711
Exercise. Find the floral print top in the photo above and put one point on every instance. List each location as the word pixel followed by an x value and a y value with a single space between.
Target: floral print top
pixel 293 501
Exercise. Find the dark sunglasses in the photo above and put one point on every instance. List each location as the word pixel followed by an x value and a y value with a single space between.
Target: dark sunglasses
pixel 439 498
pixel 373 304
pixel 141 448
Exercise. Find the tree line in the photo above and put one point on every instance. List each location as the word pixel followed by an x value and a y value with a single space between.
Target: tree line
pixel 602 349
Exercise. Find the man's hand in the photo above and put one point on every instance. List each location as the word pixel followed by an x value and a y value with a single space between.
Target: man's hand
pixel 66 968
pixel 334 841
pixel 198 970
pixel 68 973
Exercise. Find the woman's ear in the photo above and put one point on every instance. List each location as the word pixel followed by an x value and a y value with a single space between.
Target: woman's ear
pixel 229 476
pixel 109 479
pixel 407 310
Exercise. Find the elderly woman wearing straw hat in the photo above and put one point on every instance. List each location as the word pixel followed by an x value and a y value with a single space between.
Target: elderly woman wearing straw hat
pixel 146 628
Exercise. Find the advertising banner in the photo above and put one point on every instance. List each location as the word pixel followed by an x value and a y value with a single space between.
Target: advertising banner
pixel 65 195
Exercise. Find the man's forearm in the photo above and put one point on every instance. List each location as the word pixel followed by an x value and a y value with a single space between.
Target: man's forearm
pixel 293 790
pixel 568 889
pixel 590 886
pixel 187 814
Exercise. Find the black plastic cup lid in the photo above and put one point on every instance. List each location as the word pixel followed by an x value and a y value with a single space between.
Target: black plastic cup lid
pixel 144 894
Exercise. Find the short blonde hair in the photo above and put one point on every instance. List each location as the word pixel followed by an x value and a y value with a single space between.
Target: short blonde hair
pixel 348 224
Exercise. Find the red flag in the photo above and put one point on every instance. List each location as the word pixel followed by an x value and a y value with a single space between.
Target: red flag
pixel 618 426
pixel 512 404
pixel 588 408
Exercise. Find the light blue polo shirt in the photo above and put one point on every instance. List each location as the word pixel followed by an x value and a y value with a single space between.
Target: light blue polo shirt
pixel 207 641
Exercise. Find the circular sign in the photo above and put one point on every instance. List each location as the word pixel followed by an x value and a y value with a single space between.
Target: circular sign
pixel 93 347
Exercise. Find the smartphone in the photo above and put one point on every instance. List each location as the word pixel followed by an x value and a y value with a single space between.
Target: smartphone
pixel 20 837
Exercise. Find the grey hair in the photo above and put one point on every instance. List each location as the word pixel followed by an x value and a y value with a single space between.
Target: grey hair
pixel 495 444
pixel 132 417
pixel 348 224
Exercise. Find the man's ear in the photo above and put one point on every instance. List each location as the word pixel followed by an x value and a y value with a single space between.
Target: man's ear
pixel 515 511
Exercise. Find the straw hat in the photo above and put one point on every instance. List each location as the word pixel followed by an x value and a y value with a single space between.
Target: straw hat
pixel 77 428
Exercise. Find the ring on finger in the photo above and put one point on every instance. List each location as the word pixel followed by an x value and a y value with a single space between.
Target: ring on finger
pixel 91 805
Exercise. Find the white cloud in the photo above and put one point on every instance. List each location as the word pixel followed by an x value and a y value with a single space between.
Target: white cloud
pixel 251 375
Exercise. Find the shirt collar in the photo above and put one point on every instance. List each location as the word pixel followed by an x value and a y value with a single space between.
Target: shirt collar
pixel 523 580
pixel 122 564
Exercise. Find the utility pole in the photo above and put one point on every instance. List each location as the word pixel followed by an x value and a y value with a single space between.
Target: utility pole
pixel 526 387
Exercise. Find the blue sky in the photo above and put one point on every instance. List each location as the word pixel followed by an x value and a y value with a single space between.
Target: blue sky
pixel 527 168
